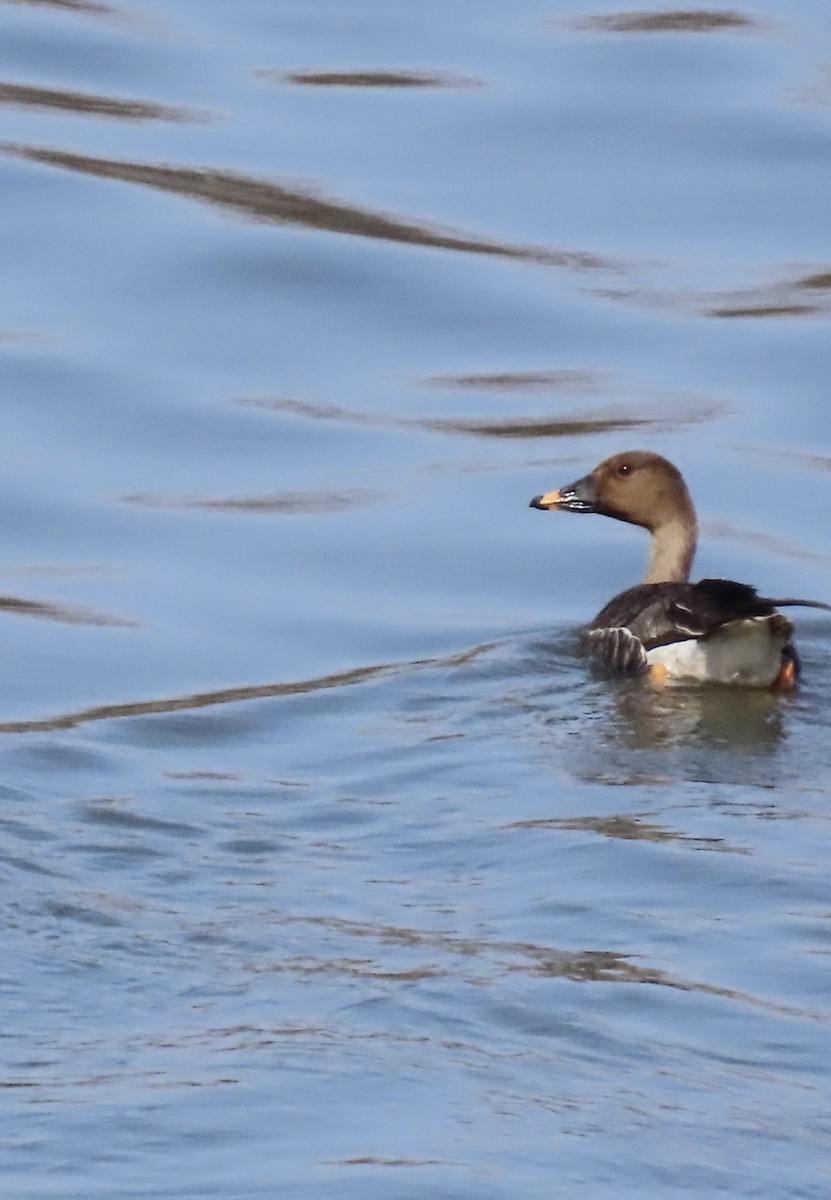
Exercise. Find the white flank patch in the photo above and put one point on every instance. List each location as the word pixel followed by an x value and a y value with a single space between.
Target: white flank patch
pixel 746 652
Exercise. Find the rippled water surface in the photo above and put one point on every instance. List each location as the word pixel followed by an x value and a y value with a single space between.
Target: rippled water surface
pixel 327 869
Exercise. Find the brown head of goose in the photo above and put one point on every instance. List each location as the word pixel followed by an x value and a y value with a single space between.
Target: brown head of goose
pixel 715 630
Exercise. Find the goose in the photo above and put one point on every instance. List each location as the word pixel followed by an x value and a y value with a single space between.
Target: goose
pixel 716 630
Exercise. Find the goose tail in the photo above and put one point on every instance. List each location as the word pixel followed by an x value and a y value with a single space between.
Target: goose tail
pixel 790 602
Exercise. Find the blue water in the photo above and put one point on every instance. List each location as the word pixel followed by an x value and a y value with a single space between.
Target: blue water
pixel 327 869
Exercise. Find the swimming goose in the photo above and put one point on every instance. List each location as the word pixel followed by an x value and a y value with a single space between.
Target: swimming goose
pixel 715 630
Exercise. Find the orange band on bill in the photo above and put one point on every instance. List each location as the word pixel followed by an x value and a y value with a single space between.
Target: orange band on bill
pixel 549 500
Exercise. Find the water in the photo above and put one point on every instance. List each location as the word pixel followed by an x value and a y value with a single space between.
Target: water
pixel 327 867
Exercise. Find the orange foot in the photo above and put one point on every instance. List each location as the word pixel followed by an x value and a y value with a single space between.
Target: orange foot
pixel 658 675
pixel 786 679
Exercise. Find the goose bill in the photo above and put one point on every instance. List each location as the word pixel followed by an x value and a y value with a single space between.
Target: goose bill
pixel 579 497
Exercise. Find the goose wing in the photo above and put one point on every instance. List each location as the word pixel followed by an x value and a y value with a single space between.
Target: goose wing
pixel 659 614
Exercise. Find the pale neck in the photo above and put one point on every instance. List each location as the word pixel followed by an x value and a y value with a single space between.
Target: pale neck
pixel 672 552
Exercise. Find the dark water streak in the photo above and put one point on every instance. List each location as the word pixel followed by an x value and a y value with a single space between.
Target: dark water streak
pixel 589 423
pixel 681 20
pixel 80 6
pixel 64 614
pixel 375 79
pixel 86 104
pixel 237 695
pixel 263 200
